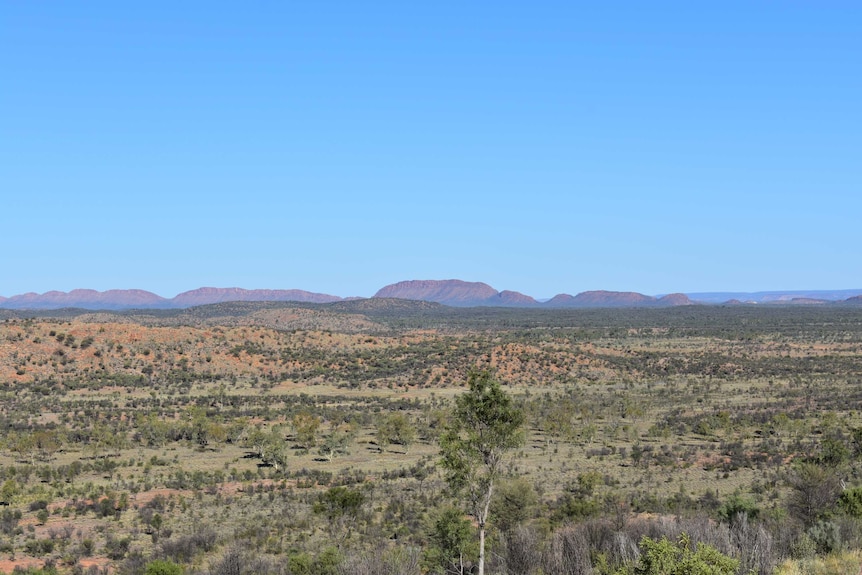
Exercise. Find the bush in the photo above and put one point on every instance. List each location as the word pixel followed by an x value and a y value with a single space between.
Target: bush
pixel 826 536
pixel 665 558
pixel 162 567
pixel 730 511
pixel 183 549
pixel 117 548
pixel 452 542
pixel 37 547
pixel 850 501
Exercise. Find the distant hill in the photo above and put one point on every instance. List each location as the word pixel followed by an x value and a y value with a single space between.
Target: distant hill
pixel 777 296
pixel 456 293
pixel 208 295
pixel 87 299
pixel 507 298
pixel 449 292
pixel 603 298
pixel 453 292
pixel 674 299
pixel 139 299
pixel 462 294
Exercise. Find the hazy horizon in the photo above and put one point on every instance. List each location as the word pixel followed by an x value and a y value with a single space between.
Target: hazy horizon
pixel 707 296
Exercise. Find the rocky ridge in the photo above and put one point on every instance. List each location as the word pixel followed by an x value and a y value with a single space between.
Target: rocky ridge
pixel 455 293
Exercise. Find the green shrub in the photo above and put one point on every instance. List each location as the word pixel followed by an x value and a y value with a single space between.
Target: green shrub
pixel 850 501
pixel 663 557
pixel 163 567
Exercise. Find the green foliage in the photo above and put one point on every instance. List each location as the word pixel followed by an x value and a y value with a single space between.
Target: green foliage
pixel 833 452
pixel 514 502
pixel 39 547
pixel 339 501
pixel 735 505
pixel 850 501
pixel 395 428
pixel 327 562
pixel 163 567
pixel 452 547
pixel 826 536
pixel 664 557
pixel 305 428
pixel 484 426
pixel 588 481
pixel 342 508
pixel 814 492
pixel 300 563
pixel 337 442
pixel 273 450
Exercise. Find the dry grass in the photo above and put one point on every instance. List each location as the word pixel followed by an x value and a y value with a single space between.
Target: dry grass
pixel 845 563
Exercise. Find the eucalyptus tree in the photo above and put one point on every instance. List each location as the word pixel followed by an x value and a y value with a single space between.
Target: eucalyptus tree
pixel 484 426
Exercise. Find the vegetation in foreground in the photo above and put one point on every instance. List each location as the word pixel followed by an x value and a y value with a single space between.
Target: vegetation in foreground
pixel 308 440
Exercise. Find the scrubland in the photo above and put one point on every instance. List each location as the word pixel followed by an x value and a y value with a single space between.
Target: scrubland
pixel 303 439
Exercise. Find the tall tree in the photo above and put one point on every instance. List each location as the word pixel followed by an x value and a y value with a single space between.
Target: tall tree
pixel 484 426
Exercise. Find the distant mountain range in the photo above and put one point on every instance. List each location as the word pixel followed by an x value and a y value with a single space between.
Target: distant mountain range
pixel 456 293
pixel 788 296
pixel 139 299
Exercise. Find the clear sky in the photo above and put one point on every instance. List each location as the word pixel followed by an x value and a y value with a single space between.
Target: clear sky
pixel 336 147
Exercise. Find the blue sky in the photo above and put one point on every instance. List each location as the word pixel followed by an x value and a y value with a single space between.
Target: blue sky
pixel 543 147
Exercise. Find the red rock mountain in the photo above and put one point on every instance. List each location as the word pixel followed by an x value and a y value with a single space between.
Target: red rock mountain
pixel 602 298
pixel 88 299
pixel 613 298
pixel 673 299
pixel 513 299
pixel 208 295
pixel 461 293
pixel 449 292
pixel 561 300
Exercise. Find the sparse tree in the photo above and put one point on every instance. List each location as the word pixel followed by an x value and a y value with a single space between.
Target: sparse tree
pixel 274 450
pixel 305 428
pixel 255 440
pixel 395 428
pixel 337 442
pixel 815 489
pixel 484 426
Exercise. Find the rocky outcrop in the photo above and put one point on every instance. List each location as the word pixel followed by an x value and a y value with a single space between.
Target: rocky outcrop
pixel 674 299
pixel 601 298
pixel 448 292
pixel 208 295
pixel 507 298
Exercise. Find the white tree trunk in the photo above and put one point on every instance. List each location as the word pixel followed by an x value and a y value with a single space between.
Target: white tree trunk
pixel 481 520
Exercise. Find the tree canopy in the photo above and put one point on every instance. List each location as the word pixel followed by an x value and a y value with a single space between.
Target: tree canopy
pixel 484 426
